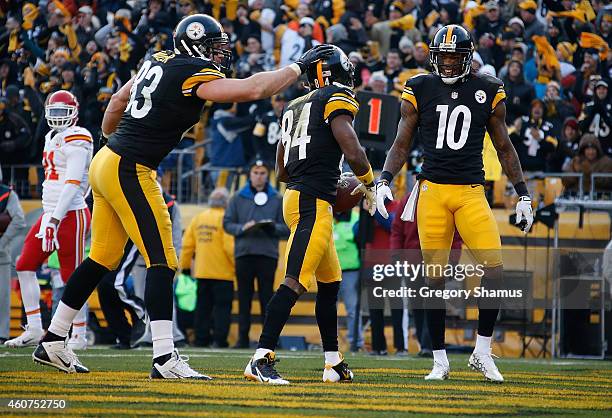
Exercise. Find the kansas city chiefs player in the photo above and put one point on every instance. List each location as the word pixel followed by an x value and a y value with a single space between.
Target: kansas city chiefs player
pixel 65 221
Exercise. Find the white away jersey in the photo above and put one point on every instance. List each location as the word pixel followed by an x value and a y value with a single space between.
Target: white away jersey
pixel 63 163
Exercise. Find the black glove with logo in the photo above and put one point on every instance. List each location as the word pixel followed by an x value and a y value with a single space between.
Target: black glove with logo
pixel 313 55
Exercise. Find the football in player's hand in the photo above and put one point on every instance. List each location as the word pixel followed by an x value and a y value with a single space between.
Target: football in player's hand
pixel 344 200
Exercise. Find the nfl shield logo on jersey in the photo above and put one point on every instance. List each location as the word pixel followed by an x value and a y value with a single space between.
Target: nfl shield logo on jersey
pixel 454 95
pixel 480 96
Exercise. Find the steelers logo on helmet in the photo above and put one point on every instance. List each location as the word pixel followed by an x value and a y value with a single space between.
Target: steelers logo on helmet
pixel 450 53
pixel 195 30
pixel 344 61
pixel 336 68
pixel 202 36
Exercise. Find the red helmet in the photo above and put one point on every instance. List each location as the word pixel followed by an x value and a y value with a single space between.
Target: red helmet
pixel 61 110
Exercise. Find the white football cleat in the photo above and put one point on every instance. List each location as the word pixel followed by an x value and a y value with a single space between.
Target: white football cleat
pixel 338 373
pixel 29 338
pixel 440 371
pixel 176 368
pixel 77 342
pixel 484 363
pixel 57 354
pixel 262 370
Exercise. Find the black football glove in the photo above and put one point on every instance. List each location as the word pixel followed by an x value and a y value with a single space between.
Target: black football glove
pixel 313 55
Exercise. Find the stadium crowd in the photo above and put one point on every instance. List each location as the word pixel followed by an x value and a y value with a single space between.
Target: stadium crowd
pixel 553 57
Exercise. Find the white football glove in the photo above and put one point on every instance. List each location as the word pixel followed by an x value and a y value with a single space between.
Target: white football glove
pixel 524 213
pixel 383 192
pixel 49 238
pixel 369 194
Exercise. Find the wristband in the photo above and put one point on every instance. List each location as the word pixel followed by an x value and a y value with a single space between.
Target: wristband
pixel 296 68
pixel 386 176
pixel 521 189
pixel 367 178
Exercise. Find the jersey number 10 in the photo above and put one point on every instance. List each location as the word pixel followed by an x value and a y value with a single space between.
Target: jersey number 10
pixel 300 137
pixel 447 125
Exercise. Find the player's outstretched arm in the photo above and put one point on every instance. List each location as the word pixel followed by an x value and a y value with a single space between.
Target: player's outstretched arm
pixel 496 125
pixel 115 109
pixel 256 87
pixel 261 85
pixel 398 154
pixel 281 171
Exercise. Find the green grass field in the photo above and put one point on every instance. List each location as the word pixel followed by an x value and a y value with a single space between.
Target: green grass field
pixel 118 385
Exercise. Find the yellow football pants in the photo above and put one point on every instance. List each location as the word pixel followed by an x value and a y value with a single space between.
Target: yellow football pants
pixel 128 202
pixel 442 207
pixel 311 254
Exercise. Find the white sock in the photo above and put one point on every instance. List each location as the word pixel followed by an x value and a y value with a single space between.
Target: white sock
pixel 61 321
pixel 440 357
pixel 483 344
pixel 261 353
pixel 161 336
pixel 79 323
pixel 30 294
pixel 332 357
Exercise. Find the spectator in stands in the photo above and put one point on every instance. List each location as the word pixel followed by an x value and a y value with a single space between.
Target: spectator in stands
pixel 12 224
pixel 389 32
pixel 15 137
pixel 301 11
pixel 587 76
pixel 393 68
pixel 254 59
pixel 294 42
pixel 210 250
pixel 517 26
pixel 590 159
pixel 421 57
pixel 255 218
pixel 565 55
pixel 491 22
pixel 567 147
pixel 519 92
pixel 556 109
pixel 266 132
pixel 533 26
pixel 596 117
pixel 338 35
pixel 378 83
pixel 533 140
pixel 554 32
pixel 348 255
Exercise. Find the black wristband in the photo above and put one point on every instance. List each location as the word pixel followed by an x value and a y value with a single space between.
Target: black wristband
pixel 521 189
pixel 387 176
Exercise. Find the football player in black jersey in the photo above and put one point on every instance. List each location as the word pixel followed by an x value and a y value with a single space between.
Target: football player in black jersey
pixel 143 122
pixel 452 109
pixel 316 130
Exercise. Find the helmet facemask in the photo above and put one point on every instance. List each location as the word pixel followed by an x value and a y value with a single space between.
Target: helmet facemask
pixel 215 50
pixel 61 116
pixel 451 72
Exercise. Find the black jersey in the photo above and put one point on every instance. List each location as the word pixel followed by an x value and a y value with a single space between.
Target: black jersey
pixel 163 105
pixel 312 154
pixel 452 124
